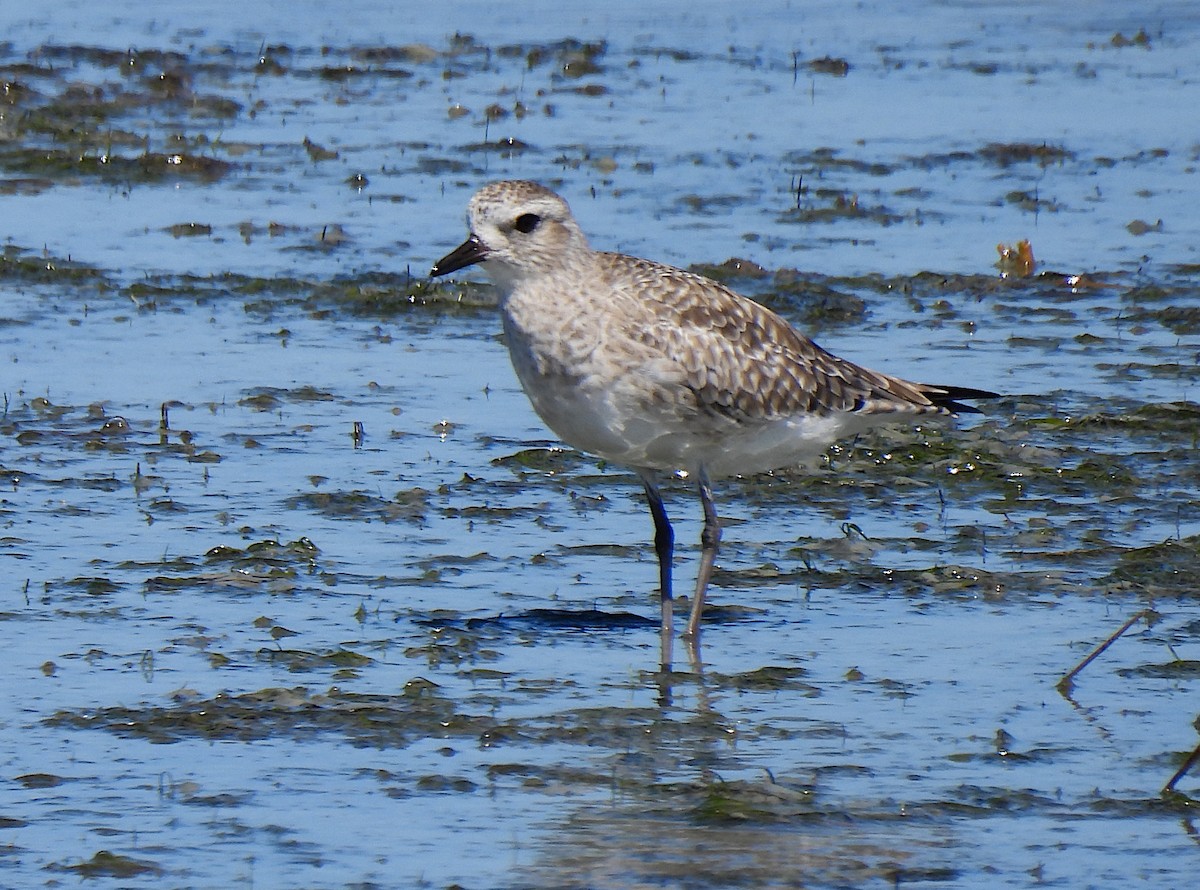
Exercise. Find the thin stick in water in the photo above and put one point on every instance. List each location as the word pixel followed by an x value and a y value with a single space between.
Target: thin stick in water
pixel 1067 683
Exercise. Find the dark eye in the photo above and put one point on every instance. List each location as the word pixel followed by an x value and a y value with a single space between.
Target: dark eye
pixel 527 222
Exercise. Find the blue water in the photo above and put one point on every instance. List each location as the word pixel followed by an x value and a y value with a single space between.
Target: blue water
pixel 693 152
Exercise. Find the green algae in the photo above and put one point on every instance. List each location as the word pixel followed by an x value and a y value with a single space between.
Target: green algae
pixel 148 167
pixel 106 864
pixel 377 720
pixel 407 506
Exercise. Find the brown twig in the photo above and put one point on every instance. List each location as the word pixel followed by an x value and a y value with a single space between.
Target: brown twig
pixel 1182 771
pixel 1067 682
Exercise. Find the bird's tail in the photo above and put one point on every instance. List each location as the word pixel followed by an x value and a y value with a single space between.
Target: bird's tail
pixel 948 397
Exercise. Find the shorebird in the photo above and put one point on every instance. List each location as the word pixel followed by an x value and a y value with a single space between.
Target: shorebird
pixel 663 370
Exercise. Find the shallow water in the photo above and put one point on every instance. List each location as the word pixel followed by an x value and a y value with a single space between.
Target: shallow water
pixel 250 647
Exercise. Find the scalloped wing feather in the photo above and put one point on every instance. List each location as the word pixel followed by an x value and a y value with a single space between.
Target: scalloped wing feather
pixel 745 362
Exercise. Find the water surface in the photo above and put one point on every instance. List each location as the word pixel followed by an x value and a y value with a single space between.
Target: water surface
pixel 248 646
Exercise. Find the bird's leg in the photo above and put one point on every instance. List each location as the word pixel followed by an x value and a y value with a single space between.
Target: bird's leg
pixel 710 540
pixel 664 546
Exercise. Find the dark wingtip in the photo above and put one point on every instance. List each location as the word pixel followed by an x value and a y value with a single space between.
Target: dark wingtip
pixel 948 397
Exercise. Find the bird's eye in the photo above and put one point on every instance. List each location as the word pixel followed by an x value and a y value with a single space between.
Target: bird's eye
pixel 527 222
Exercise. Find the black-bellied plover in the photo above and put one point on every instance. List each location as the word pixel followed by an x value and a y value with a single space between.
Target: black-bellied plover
pixel 664 370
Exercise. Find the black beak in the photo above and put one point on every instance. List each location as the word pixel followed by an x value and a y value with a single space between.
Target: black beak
pixel 466 254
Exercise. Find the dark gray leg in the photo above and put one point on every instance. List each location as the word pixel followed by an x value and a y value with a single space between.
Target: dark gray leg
pixel 710 540
pixel 664 546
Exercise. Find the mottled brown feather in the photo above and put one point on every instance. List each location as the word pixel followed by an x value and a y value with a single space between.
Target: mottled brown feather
pixel 745 362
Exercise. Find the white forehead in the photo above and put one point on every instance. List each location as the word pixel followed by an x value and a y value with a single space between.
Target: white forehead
pixel 510 198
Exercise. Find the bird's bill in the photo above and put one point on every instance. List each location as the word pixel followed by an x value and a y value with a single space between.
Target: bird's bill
pixel 466 254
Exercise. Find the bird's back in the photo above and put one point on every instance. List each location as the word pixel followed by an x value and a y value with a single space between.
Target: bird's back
pixel 745 361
